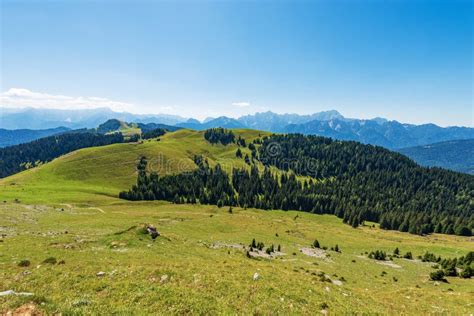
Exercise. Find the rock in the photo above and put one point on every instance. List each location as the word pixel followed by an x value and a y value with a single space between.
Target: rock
pixel 164 278
pixel 100 274
pixel 336 282
pixel 152 231
pixel 11 292
pixel 256 276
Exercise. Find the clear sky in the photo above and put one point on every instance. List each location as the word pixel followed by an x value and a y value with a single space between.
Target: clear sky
pixel 406 60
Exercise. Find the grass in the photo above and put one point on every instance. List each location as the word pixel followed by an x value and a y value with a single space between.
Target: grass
pixel 68 210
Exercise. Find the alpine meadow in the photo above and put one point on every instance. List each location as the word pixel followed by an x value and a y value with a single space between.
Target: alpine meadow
pixel 236 158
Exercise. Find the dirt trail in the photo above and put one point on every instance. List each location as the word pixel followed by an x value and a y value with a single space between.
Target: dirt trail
pixel 96 208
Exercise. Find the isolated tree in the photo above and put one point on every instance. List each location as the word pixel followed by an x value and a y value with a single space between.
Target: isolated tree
pixel 238 153
pixel 316 244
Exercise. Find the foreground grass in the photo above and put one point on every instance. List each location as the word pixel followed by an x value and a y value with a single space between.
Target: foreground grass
pixel 205 279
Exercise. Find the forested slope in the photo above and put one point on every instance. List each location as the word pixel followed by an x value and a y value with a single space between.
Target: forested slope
pixel 353 181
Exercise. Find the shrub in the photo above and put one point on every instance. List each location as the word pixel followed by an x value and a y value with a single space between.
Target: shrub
pixel 408 255
pixel 270 249
pixel 378 255
pixel 450 270
pixel 316 244
pixel 50 260
pixel 437 275
pixel 467 273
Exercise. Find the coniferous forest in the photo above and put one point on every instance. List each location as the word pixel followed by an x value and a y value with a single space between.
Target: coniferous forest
pixel 16 158
pixel 352 181
pixel 372 183
pixel 219 135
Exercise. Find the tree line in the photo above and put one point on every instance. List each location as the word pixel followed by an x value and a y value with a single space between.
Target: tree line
pixel 220 135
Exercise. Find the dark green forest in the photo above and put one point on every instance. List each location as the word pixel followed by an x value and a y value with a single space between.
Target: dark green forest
pixel 153 133
pixel 219 135
pixel 352 181
pixel 373 183
pixel 16 158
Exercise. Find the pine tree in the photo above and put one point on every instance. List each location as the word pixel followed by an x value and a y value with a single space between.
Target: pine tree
pixel 238 153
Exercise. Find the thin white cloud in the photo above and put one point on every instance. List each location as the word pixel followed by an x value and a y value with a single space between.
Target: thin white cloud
pixel 241 104
pixel 22 98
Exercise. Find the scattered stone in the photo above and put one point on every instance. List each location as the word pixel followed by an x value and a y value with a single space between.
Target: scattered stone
pixel 164 278
pixel 81 302
pixel 389 264
pixel 152 231
pixel 11 292
pixel 100 274
pixel 315 252
pixel 336 282
pixel 256 276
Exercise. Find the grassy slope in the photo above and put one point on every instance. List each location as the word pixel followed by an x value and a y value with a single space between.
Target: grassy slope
pixel 104 171
pixel 201 279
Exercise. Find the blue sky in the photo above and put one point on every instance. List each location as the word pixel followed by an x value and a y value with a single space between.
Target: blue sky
pixel 406 60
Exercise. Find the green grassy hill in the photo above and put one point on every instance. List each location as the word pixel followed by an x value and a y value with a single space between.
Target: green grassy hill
pixel 68 209
pixel 107 170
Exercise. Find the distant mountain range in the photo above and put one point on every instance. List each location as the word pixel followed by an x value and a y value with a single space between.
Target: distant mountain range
pixel 377 131
pixel 32 118
pixel 19 136
pixel 457 155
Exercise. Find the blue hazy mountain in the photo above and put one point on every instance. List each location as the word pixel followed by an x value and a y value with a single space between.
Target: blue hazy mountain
pixel 377 131
pixel 223 121
pixel 457 155
pixel 90 118
pixel 19 136
pixel 389 134
pixel 274 122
